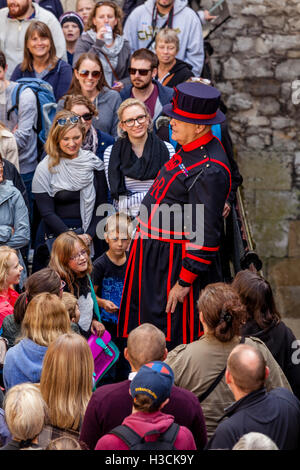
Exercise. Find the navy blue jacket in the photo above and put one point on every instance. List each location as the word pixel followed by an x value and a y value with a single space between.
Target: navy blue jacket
pixel 60 77
pixel 104 141
pixel 54 6
pixel 275 414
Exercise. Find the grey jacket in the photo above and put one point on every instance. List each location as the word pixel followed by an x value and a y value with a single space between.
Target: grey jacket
pixel 13 215
pixel 119 56
pixel 107 104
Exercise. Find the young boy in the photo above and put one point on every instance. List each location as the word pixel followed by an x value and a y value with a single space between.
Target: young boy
pixel 109 271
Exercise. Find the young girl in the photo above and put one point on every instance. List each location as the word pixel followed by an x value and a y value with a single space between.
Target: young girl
pixel 10 272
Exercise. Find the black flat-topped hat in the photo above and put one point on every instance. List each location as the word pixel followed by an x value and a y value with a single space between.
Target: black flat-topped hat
pixel 195 103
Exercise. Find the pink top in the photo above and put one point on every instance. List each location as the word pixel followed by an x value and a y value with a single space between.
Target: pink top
pixel 7 302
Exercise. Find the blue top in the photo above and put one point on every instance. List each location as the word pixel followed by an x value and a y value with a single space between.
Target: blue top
pixel 59 77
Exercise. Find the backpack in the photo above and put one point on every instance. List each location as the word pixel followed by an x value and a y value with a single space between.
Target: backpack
pixel 46 106
pixel 134 441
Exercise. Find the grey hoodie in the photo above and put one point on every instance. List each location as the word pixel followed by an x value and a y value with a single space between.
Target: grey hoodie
pixel 139 32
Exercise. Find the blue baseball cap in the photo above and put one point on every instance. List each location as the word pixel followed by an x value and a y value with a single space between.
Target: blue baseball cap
pixel 154 379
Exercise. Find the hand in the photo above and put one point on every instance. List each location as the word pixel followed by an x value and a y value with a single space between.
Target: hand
pixel 100 33
pixel 109 306
pixel 226 210
pixel 15 128
pixel 86 238
pixel 208 16
pixel 176 294
pixel 12 231
pixel 118 86
pixel 97 328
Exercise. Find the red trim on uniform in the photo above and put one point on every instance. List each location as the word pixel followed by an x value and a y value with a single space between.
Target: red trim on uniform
pixel 204 248
pixel 191 314
pixel 226 168
pixel 184 310
pixel 192 115
pixel 169 318
pixel 140 276
pixel 203 140
pixel 161 230
pixel 200 260
pixel 125 279
pixel 156 237
pixel 187 276
pixel 125 333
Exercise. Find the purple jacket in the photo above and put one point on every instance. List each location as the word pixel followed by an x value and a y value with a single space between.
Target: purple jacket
pixel 111 404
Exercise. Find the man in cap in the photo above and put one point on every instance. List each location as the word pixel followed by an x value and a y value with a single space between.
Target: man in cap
pixel 175 249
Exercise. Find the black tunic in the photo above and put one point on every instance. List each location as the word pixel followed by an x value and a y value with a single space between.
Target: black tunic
pixel 164 251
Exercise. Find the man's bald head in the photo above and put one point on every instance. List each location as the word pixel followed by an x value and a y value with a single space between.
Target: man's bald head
pixel 247 367
pixel 145 343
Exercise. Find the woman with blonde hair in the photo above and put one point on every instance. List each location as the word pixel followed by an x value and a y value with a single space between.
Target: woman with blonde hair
pixel 132 163
pixel 103 36
pixel 66 394
pixel 40 60
pixel 45 319
pixel 70 258
pixel 10 273
pixel 69 185
pixel 200 366
pixel 25 414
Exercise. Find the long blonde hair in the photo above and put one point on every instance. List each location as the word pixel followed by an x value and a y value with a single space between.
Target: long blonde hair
pixel 66 380
pixel 5 253
pixel 61 253
pixel 57 132
pixel 45 319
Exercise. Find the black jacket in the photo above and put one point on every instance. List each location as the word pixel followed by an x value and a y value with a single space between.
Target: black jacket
pixel 179 73
pixel 282 343
pixel 11 173
pixel 275 414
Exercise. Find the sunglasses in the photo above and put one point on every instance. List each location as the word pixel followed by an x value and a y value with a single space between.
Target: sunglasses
pixel 64 121
pixel 87 116
pixel 142 72
pixel 86 73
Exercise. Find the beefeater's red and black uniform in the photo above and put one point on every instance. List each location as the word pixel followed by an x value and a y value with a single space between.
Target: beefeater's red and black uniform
pixel 199 173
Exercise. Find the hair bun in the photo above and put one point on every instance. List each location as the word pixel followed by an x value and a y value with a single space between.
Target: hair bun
pixel 226 317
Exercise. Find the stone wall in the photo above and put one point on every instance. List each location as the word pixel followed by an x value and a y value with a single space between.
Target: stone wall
pixel 256 63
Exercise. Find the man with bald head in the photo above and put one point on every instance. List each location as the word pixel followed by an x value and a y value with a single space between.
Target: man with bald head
pixel 275 414
pixel 111 404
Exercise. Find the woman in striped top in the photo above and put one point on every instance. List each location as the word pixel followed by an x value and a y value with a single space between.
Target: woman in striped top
pixel 132 163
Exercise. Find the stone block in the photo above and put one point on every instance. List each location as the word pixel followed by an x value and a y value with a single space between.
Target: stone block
pixel 282 141
pixel 256 142
pixel 239 101
pixel 263 45
pixel 274 22
pixel 294 239
pixel 276 205
pixel 269 106
pixel 281 122
pixel 263 87
pixel 288 302
pixel 288 70
pixel 271 237
pixel 255 10
pixel 294 24
pixel 258 67
pixel 285 42
pixel 285 272
pixel 233 69
pixel 243 44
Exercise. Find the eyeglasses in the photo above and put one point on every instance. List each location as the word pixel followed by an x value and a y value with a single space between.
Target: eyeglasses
pixel 86 73
pixel 64 121
pixel 87 116
pixel 78 256
pixel 142 72
pixel 62 285
pixel 140 120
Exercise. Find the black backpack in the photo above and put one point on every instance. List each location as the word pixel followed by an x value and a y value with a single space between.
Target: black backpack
pixel 165 440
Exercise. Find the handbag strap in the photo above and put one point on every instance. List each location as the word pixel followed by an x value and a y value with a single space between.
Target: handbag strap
pixel 216 381
pixel 96 306
pixel 109 63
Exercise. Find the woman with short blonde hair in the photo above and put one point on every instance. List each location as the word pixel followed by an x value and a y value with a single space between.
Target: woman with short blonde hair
pixel 132 163
pixel 67 392
pixel 25 414
pixel 45 319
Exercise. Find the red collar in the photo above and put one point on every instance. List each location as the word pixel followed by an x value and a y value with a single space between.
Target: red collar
pixel 203 140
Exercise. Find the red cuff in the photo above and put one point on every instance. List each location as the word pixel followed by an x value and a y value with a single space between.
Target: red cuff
pixel 187 276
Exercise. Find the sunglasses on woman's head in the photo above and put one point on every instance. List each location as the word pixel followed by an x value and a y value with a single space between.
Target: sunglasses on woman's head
pixel 64 121
pixel 86 73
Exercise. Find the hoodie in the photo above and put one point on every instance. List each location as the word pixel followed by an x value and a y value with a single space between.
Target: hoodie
pixel 23 363
pixel 139 32
pixel 142 423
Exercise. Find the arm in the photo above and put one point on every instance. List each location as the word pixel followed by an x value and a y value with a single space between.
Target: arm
pixel 9 149
pixel 21 225
pixel 27 117
pixel 194 53
pixel 46 207
pixel 101 198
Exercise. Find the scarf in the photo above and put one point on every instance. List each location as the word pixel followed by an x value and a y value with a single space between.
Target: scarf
pixel 90 140
pixel 71 175
pixel 123 162
pixel 111 52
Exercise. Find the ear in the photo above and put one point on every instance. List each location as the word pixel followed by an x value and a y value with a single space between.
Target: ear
pixel 164 403
pixel 200 129
pixel 267 372
pixel 126 355
pixel 76 74
pixel 154 72
pixel 228 377
pixel 201 316
pixel 165 355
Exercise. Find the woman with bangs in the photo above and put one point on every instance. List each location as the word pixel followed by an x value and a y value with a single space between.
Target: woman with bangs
pixel 40 60
pixel 89 80
pixel 69 185
pixel 70 258
pixel 66 395
pixel 114 52
pixel 45 319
